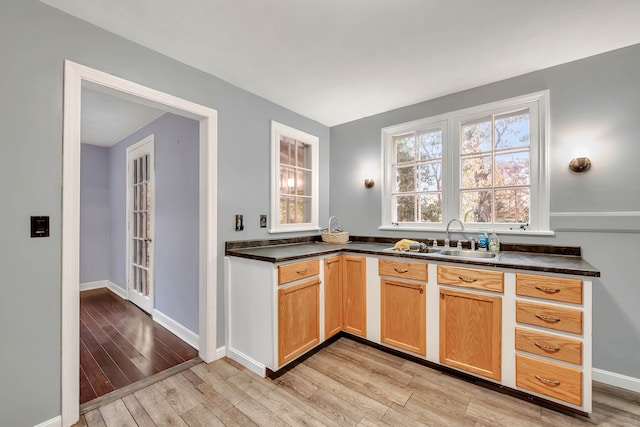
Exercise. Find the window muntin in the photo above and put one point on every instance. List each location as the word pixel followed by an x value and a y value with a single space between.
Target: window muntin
pixel 294 188
pixel 495 167
pixel 417 168
pixel 493 171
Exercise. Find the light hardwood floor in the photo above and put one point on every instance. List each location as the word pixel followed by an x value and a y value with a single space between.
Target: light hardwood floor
pixel 344 384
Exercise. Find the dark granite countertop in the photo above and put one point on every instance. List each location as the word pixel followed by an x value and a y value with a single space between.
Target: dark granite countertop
pixel 523 257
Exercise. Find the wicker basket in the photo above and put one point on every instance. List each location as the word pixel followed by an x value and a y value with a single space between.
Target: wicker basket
pixel 335 236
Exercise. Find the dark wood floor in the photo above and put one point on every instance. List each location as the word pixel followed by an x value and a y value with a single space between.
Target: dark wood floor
pixel 120 344
pixel 344 384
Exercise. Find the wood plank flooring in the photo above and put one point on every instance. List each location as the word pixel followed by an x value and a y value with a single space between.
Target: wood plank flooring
pixel 120 344
pixel 344 384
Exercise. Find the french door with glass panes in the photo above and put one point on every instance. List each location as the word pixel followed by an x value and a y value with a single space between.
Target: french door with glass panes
pixel 140 223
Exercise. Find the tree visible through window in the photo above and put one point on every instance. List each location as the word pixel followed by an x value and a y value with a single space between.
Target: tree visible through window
pixel 417 168
pixel 484 165
pixel 495 169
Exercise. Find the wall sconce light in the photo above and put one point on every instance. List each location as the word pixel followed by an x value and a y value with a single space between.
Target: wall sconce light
pixel 368 182
pixel 580 164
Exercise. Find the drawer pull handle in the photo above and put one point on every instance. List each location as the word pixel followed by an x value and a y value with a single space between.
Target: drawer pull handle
pixel 547 347
pixel 467 279
pixel 400 270
pixel 548 318
pixel 546 381
pixel 304 270
pixel 548 290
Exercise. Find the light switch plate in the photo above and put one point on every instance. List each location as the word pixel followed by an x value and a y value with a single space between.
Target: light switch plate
pixel 239 223
pixel 39 226
pixel 263 221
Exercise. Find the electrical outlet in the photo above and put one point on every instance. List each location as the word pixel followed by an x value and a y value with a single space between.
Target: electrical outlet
pixel 263 221
pixel 239 223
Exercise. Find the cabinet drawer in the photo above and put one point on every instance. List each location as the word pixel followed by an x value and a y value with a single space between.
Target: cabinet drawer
pixel 548 287
pixel 487 280
pixel 561 348
pixel 298 270
pixel 549 316
pixel 406 270
pixel 550 379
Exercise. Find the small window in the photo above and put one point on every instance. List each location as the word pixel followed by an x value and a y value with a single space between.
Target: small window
pixel 294 179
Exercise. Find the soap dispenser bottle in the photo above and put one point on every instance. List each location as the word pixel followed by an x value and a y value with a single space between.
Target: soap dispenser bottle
pixel 483 242
pixel 494 242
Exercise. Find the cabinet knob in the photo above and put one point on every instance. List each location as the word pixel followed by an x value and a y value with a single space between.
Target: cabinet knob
pixel 467 279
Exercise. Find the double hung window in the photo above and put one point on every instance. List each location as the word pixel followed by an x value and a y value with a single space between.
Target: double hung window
pixel 294 179
pixel 484 166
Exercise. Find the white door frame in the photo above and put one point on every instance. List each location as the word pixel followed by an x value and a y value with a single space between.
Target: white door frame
pixel 74 75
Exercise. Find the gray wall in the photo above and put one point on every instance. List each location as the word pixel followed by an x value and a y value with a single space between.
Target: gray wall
pixel 37 41
pixel 177 143
pixel 94 213
pixel 595 106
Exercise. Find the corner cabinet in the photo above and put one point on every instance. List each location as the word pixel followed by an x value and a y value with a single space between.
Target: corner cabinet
pixel 354 297
pixel 333 318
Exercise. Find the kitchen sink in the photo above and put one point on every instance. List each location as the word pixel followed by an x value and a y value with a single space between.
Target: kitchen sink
pixel 467 254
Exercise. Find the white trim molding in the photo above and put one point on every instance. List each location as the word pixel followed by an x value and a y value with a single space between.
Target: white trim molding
pixel 182 332
pixel 75 77
pixel 256 367
pixel 53 422
pixel 596 221
pixel 87 286
pixel 617 380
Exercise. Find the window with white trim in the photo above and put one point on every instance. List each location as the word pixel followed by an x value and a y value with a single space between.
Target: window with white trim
pixel 294 179
pixel 483 165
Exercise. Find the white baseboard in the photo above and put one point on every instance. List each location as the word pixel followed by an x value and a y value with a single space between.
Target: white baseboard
pixel 248 362
pixel 177 329
pixel 617 380
pixel 53 422
pixel 87 286
pixel 221 352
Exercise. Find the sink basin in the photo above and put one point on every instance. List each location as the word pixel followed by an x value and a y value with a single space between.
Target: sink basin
pixel 467 254
pixel 428 250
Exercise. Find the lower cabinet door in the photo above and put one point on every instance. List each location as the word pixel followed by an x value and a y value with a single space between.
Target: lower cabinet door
pixel 298 319
pixel 354 294
pixel 332 296
pixel 471 332
pixel 403 315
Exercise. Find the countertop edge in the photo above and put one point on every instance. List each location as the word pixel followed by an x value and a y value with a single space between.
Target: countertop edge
pixel 341 248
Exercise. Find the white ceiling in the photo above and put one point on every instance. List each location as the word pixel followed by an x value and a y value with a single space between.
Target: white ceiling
pixel 339 60
pixel 107 119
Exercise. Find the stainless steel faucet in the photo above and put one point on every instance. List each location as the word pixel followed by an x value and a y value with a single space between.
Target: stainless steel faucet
pixel 446 239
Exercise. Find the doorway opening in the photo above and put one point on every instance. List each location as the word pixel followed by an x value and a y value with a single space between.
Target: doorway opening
pixel 75 77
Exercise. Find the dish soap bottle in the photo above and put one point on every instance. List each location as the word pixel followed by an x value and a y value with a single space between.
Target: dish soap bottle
pixel 494 242
pixel 483 242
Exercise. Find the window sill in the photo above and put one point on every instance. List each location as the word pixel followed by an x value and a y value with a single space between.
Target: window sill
pixel 469 230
